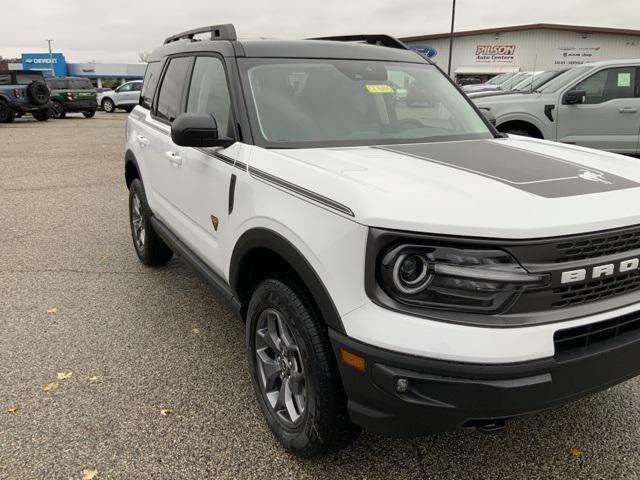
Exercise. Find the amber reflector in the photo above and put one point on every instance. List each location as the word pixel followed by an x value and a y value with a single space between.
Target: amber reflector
pixel 352 360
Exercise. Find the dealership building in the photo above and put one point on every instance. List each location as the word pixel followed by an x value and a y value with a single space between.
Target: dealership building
pixel 56 63
pixel 543 46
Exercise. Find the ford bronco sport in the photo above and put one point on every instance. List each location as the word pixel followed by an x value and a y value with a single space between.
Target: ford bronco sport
pixel 403 269
pixel 23 91
pixel 72 94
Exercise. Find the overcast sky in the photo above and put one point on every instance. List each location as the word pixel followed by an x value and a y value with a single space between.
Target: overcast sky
pixel 117 30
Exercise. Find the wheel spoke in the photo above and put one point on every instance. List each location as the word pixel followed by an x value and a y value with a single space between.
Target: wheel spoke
pixel 266 338
pixel 273 319
pixel 282 396
pixel 289 402
pixel 297 384
pixel 270 370
pixel 284 334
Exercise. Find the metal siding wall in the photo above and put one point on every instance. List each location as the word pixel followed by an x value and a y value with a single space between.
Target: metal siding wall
pixel 535 49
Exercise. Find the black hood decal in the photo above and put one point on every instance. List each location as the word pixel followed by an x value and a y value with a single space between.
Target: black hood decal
pixel 532 172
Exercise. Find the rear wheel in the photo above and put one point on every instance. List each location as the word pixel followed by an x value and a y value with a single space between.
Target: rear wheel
pixel 89 113
pixel 58 111
pixel 108 105
pixel 128 109
pixel 293 370
pixel 150 248
pixel 41 115
pixel 6 114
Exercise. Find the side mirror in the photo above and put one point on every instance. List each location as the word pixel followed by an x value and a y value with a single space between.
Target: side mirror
pixel 489 116
pixel 574 97
pixel 197 130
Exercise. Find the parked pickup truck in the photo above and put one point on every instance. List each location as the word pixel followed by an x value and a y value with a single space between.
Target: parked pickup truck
pixel 72 94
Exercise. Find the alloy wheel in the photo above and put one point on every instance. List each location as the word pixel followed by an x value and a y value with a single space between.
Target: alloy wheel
pixel 280 370
pixel 137 222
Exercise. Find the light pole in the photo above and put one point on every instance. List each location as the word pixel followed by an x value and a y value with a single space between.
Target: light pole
pixel 53 72
pixel 453 21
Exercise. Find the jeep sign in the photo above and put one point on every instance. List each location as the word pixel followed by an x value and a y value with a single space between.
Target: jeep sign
pixel 495 53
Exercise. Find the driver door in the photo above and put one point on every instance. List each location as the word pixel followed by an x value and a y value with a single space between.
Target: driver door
pixel 609 116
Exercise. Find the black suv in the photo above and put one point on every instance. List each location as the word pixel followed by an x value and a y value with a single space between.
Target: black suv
pixel 23 92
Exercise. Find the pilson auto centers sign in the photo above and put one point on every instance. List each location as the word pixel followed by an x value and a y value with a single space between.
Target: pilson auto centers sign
pixel 495 53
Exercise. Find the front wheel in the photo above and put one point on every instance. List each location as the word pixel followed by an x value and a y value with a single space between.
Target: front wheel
pixel 57 111
pixel 293 370
pixel 89 113
pixel 108 105
pixel 42 115
pixel 151 249
pixel 6 114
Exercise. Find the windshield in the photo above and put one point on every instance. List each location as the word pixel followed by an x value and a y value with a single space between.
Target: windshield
pixel 561 80
pixel 498 79
pixel 299 103
pixel 514 80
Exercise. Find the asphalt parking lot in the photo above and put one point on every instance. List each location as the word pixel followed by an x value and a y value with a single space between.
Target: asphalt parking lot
pixel 153 380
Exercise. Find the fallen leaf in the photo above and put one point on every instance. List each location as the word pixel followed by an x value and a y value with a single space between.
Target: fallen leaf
pixel 165 412
pixel 89 473
pixel 64 375
pixel 52 310
pixel 104 257
pixel 195 330
pixel 51 386
pixel 576 453
pixel 93 379
pixel 12 409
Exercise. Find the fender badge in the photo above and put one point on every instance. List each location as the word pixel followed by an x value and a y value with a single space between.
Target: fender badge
pixel 215 222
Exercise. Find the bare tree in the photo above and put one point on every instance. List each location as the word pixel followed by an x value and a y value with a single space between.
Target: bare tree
pixel 144 56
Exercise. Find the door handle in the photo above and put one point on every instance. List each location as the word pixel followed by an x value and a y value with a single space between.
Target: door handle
pixel 144 142
pixel 628 110
pixel 174 158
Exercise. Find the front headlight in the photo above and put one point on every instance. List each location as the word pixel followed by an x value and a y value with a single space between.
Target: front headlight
pixel 461 279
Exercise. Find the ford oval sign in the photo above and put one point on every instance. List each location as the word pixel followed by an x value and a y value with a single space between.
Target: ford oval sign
pixel 428 52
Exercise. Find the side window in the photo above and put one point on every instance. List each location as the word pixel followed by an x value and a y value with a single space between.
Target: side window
pixel 208 93
pixel 609 84
pixel 127 87
pixel 136 87
pixel 149 84
pixel 170 96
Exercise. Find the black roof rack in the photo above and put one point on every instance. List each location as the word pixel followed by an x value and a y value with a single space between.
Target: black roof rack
pixel 218 32
pixel 377 39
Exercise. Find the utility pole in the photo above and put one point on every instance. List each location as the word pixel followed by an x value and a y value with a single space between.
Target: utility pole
pixel 453 22
pixel 53 72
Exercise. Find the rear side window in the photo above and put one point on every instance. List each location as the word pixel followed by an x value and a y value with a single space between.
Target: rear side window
pixel 208 92
pixel 80 84
pixel 57 84
pixel 136 86
pixel 26 79
pixel 170 96
pixel 5 79
pixel 609 84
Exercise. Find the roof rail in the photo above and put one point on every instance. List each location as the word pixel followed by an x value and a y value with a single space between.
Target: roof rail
pixel 376 39
pixel 218 32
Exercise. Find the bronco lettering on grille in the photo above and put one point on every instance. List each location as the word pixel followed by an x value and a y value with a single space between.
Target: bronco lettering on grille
pixel 600 271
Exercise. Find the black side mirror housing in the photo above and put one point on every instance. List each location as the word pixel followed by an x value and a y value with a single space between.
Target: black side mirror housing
pixel 574 97
pixel 491 118
pixel 197 130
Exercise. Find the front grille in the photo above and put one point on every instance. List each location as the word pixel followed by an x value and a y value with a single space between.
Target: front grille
pixel 598 246
pixel 596 290
pixel 585 336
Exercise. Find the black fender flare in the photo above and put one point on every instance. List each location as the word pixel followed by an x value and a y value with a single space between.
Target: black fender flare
pixel 130 161
pixel 265 238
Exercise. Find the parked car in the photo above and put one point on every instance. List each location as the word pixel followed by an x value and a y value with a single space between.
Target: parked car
pixel 469 81
pixel 125 97
pixel 100 93
pixel 507 84
pixel 23 91
pixel 405 270
pixel 594 105
pixel 72 94
pixel 528 85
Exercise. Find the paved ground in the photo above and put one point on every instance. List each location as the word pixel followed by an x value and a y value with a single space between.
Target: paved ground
pixel 138 340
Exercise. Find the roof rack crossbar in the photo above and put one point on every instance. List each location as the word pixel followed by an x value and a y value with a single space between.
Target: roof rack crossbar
pixel 218 32
pixel 376 39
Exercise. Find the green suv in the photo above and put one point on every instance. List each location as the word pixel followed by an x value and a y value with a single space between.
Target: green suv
pixel 72 94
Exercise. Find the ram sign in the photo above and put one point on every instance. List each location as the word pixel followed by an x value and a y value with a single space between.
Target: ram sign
pixel 42 61
pixel 495 53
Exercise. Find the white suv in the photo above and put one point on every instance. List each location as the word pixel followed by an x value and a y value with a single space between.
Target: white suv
pixel 404 269
pixel 596 105
pixel 125 97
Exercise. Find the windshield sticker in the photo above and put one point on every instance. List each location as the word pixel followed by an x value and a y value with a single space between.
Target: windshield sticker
pixel 380 88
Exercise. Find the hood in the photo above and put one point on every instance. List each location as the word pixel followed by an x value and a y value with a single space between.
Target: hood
pixel 479 88
pixel 518 98
pixel 513 187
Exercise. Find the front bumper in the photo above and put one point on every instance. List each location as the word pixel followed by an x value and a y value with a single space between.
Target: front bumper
pixel 444 395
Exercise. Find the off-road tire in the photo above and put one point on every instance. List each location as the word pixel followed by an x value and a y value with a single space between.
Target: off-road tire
pixel 89 113
pixel 57 110
pixel 324 426
pixel 42 115
pixel 6 114
pixel 38 93
pixel 152 251
pixel 108 105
